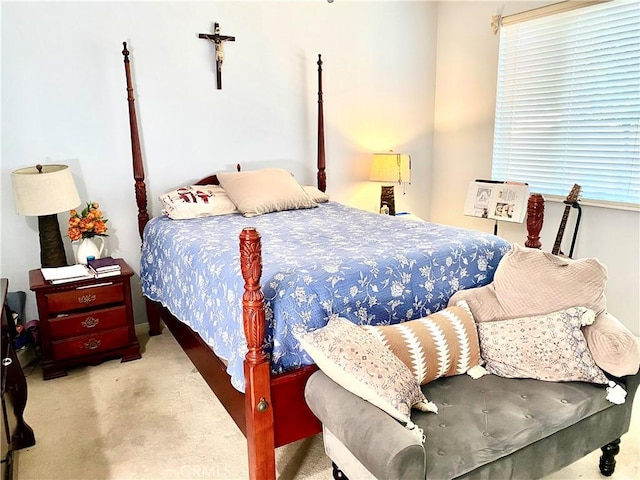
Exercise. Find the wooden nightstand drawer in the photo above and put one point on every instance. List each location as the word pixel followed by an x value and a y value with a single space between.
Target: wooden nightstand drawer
pixel 90 344
pixel 81 298
pixel 87 322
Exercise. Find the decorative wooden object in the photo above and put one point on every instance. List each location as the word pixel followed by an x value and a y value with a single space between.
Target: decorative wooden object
pixel 218 40
pixel 535 218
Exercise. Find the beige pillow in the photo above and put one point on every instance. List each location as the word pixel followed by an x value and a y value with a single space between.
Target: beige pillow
pixel 358 362
pixel 545 347
pixel 614 348
pixel 262 191
pixel 440 345
pixel 532 282
pixel 316 194
pixel 196 201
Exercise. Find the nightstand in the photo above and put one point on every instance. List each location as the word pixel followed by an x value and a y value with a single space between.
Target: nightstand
pixel 85 322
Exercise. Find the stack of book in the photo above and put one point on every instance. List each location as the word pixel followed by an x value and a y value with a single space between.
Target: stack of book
pixel 104 267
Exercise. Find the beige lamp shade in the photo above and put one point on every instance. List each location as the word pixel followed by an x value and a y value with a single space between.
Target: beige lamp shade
pixel 44 190
pixel 391 167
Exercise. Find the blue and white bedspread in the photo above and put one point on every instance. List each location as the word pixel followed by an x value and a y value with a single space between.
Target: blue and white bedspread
pixel 369 268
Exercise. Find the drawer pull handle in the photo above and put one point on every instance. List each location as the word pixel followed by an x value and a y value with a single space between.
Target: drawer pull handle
pixel 90 322
pixel 86 299
pixel 92 344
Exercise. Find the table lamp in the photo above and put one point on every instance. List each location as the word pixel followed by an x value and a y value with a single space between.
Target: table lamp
pixel 44 191
pixel 390 167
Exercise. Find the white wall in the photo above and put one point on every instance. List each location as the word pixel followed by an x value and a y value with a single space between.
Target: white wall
pixel 466 69
pixel 64 101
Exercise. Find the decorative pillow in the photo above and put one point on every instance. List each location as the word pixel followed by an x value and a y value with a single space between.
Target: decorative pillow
pixel 532 282
pixel 614 348
pixel 529 281
pixel 262 191
pixel 357 361
pixel 316 194
pixel 197 201
pixel 545 347
pixel 440 345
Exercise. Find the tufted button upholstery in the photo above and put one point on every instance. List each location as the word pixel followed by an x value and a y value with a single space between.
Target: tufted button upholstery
pixel 491 427
pixel 492 417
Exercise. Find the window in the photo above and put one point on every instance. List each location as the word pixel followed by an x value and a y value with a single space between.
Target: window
pixel 568 103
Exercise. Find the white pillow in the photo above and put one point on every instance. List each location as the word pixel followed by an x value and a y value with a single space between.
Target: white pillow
pixel 262 191
pixel 197 201
pixel 356 360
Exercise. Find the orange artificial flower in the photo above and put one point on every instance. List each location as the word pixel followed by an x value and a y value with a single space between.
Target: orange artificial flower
pixel 87 223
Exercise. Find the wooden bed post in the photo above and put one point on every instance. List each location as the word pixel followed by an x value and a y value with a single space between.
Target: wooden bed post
pixel 138 167
pixel 257 370
pixel 535 218
pixel 322 176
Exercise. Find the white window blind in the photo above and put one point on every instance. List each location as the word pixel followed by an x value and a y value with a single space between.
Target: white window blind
pixel 568 103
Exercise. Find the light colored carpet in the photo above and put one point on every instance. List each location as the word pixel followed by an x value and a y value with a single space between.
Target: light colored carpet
pixel 155 418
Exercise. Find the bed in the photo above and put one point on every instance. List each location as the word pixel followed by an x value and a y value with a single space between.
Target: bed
pixel 278 277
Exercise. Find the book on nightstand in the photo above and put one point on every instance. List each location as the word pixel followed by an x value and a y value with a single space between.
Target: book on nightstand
pixel 71 273
pixel 104 267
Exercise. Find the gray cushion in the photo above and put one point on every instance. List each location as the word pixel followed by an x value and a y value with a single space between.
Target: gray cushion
pixel 491 427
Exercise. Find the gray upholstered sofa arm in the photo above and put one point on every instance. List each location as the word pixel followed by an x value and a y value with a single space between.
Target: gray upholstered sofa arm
pixel 383 445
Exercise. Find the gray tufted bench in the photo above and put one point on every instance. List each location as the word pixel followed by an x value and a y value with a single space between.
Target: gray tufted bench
pixel 489 428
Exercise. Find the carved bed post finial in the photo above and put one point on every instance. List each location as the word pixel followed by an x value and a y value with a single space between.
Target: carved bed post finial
pixel 252 298
pixel 138 166
pixel 535 218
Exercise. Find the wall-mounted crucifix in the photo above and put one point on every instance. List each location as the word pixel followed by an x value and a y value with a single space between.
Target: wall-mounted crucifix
pixel 218 40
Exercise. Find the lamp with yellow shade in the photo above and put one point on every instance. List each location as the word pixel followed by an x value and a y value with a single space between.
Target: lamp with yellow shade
pixel 390 168
pixel 44 191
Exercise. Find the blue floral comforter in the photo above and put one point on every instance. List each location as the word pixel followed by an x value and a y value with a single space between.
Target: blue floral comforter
pixel 369 268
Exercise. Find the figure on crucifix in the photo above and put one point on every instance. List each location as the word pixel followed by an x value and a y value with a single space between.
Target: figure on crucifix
pixel 218 40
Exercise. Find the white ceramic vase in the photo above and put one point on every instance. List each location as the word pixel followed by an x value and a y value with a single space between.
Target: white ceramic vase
pixel 89 248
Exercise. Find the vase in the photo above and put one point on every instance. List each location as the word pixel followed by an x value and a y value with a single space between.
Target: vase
pixel 89 248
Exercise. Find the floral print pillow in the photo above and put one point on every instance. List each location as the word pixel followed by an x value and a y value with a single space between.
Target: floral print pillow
pixel 545 347
pixel 356 360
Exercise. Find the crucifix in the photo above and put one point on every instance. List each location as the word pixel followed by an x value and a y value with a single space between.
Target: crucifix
pixel 218 40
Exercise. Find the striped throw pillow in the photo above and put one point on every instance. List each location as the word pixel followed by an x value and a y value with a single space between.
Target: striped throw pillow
pixel 442 344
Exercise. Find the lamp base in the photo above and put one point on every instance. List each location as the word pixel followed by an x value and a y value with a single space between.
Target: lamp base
pixel 386 196
pixel 51 247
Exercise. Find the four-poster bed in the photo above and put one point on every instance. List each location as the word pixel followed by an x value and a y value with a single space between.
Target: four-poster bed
pixel 261 392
